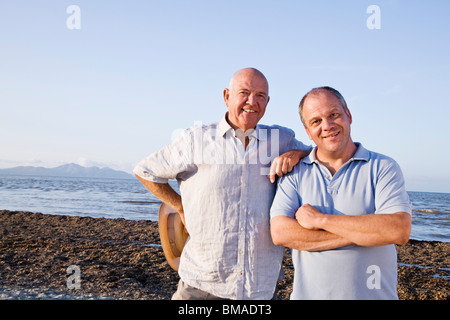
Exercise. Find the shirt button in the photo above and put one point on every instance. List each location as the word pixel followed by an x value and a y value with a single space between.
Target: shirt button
pixel 242 229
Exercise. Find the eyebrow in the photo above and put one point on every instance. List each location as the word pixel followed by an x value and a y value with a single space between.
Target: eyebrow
pixel 337 107
pixel 248 90
pixel 332 110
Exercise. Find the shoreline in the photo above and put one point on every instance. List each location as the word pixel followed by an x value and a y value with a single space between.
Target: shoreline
pixel 122 259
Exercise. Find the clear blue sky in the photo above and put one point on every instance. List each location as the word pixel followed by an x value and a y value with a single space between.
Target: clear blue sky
pixel 115 90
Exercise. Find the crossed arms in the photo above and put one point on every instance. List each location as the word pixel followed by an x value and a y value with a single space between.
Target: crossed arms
pixel 312 230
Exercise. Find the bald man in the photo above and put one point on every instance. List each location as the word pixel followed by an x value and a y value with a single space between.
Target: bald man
pixel 222 169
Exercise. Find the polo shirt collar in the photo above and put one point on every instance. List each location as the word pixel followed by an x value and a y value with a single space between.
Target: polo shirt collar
pixel 360 154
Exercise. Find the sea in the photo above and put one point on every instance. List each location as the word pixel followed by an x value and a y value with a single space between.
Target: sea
pixel 128 199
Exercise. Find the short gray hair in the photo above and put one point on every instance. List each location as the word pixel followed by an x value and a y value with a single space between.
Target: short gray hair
pixel 318 90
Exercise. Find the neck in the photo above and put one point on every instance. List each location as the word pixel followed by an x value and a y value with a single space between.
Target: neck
pixel 333 161
pixel 236 127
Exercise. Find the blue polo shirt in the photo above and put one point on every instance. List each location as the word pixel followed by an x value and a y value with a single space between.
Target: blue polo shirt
pixel 369 183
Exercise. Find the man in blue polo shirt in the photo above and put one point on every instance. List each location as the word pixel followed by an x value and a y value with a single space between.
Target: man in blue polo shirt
pixel 341 210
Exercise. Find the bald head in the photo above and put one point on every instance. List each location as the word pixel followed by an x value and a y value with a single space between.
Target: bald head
pixel 249 73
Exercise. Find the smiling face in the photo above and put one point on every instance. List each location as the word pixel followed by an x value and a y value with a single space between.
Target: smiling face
pixel 246 98
pixel 327 123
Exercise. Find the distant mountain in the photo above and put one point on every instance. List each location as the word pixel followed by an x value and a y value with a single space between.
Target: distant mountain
pixel 67 170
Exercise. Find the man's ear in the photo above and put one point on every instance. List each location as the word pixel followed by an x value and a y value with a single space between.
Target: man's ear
pixel 309 134
pixel 349 115
pixel 226 95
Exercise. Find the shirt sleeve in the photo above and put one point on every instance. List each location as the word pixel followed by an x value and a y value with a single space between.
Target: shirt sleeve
pixel 169 162
pixel 295 144
pixel 390 191
pixel 287 199
pixel 288 141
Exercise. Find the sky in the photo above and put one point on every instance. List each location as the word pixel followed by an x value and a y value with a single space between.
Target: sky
pixel 112 81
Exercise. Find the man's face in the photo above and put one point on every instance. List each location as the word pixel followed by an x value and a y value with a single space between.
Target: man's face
pixel 246 99
pixel 327 124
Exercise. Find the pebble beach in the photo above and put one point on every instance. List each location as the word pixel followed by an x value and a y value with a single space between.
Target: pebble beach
pixel 122 259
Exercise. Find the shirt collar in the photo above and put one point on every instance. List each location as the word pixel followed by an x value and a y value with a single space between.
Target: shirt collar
pixel 360 154
pixel 224 127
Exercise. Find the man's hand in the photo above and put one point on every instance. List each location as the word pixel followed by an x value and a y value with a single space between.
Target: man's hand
pixel 284 163
pixel 309 217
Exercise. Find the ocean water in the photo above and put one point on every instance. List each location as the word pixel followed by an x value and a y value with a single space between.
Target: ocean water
pixel 91 197
pixel 127 198
pixel 431 216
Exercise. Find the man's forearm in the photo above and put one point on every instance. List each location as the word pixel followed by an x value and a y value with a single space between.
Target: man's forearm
pixel 165 193
pixel 370 230
pixel 364 230
pixel 289 233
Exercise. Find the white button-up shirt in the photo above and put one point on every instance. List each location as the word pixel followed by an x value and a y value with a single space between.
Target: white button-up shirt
pixel 226 199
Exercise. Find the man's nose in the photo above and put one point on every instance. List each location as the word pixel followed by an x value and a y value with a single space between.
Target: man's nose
pixel 327 124
pixel 251 100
